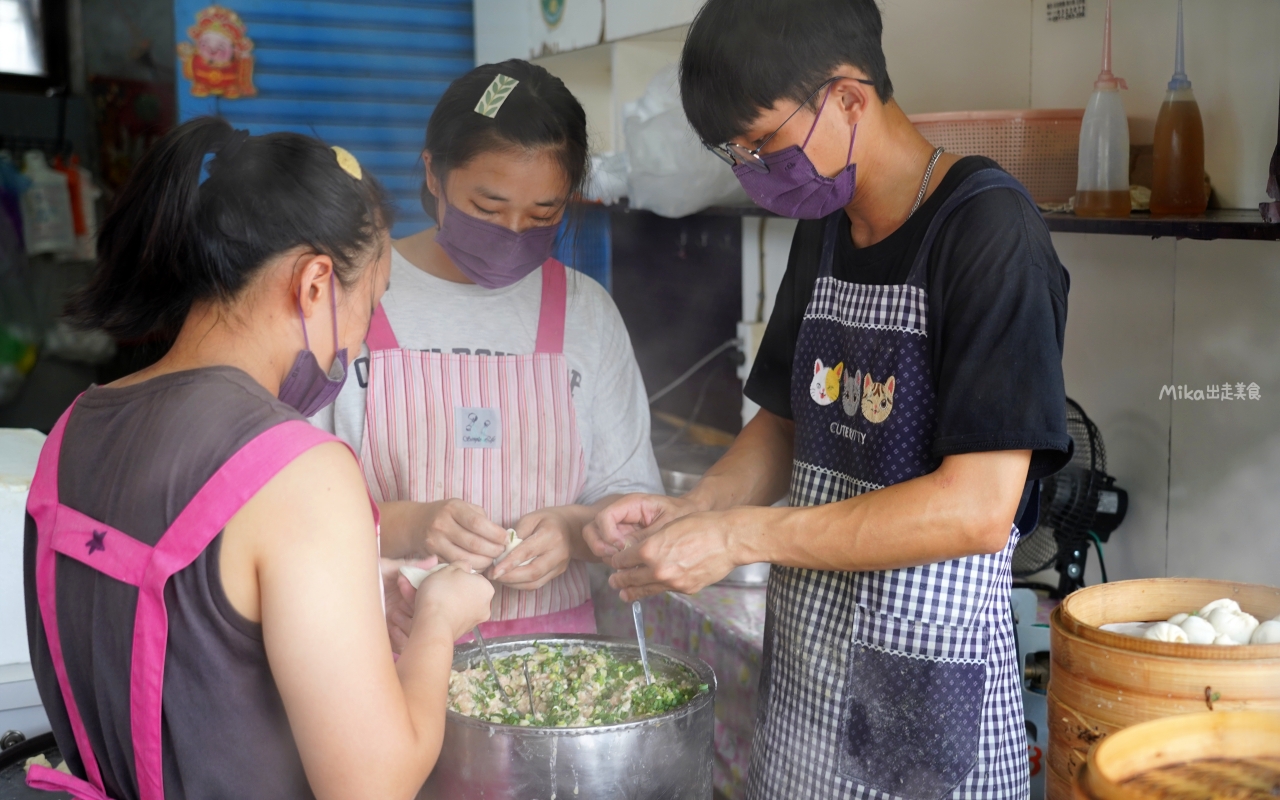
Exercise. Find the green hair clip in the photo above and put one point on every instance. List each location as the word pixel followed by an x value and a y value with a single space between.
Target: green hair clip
pixel 496 95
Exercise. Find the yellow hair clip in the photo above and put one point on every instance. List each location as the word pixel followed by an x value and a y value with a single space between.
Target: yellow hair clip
pixel 348 163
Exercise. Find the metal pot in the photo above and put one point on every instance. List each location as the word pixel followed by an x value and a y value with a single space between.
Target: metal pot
pixel 747 575
pixel 667 757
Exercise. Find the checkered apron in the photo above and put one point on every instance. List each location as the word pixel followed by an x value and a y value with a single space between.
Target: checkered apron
pixel 899 683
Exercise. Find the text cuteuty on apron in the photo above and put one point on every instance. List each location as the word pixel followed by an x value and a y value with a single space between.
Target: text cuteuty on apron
pixel 498 431
pixel 898 683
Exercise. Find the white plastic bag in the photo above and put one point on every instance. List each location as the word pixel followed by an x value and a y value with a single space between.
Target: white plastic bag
pixel 47 224
pixel 671 173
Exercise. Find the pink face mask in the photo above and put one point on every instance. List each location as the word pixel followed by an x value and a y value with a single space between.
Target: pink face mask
pixel 490 255
pixel 307 388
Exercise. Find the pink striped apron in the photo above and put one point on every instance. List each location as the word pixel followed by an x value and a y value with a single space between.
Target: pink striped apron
pixel 65 531
pixel 498 431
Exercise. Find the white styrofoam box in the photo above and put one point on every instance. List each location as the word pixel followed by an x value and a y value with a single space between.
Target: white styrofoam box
pixel 20 706
pixel 19 452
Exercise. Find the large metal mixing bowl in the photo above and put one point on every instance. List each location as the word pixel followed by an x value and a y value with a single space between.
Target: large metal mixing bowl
pixel 667 757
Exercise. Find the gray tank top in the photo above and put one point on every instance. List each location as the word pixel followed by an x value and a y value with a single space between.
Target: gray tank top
pixel 133 458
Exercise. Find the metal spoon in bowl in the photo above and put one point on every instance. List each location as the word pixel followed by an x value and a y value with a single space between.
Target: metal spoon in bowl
pixel 637 614
pixel 492 670
pixel 528 683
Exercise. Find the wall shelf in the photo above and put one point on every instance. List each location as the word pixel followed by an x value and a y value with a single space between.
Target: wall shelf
pixel 1226 223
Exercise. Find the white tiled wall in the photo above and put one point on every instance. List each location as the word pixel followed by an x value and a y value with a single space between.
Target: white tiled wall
pixel 1203 476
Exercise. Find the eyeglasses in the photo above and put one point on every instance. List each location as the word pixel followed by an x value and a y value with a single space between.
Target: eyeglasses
pixel 733 153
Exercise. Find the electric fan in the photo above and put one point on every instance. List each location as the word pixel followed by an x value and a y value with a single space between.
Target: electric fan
pixel 1078 505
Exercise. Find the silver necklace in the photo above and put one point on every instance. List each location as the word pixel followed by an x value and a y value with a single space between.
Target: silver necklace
pixel 928 173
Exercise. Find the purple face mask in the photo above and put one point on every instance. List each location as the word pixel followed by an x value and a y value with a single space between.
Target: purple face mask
pixel 793 187
pixel 307 388
pixel 489 254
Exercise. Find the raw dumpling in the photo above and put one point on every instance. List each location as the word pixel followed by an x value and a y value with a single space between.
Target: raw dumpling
pixel 1166 632
pixel 1225 602
pixel 1178 619
pixel 416 575
pixel 1266 633
pixel 1236 624
pixel 1225 639
pixel 1137 629
pixel 1198 629
pixel 513 541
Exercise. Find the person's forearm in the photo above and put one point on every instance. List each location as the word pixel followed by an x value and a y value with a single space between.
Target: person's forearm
pixel 401 524
pixel 755 472
pixel 964 508
pixel 424 669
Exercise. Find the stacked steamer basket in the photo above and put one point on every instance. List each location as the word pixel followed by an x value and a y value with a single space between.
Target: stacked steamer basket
pixel 1101 682
pixel 1232 754
pixel 667 756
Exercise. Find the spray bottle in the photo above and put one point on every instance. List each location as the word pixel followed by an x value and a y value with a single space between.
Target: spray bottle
pixel 1102 177
pixel 1177 178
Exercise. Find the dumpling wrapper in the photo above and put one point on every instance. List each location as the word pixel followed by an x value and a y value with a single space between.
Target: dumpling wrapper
pixel 1166 632
pixel 1266 633
pixel 1138 629
pixel 416 575
pixel 1178 619
pixel 1236 624
pixel 513 541
pixel 1198 629
pixel 1225 602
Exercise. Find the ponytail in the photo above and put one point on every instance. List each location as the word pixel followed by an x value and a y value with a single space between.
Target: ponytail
pixel 173 239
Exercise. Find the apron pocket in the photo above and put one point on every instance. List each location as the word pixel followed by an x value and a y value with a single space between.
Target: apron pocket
pixel 911 714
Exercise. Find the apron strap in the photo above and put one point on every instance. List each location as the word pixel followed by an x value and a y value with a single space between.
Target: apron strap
pixel 554 303
pixel 380 335
pixel 44 779
pixel 978 182
pixel 224 494
pixel 61 529
pixel 550 316
pixel 42 505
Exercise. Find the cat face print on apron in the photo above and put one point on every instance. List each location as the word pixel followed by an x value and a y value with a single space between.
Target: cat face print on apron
pixel 498 431
pixel 64 533
pixel 899 683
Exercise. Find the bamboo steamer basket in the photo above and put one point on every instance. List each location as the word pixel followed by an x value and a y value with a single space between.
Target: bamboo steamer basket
pixel 1208 754
pixel 1100 682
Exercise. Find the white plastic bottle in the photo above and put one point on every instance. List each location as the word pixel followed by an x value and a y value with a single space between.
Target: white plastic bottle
pixel 47 224
pixel 1102 177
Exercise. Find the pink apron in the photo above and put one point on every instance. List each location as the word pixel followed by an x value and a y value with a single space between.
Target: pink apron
pixel 63 530
pixel 498 431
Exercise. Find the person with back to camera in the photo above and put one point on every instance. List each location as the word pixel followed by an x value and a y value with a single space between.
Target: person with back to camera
pixel 203 600
pixel 911 392
pixel 499 389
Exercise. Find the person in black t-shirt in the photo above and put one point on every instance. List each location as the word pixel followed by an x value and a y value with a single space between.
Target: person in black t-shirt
pixel 911 393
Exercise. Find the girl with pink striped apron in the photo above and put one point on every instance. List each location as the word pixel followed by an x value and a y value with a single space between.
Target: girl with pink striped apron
pixel 498 431
pixel 62 530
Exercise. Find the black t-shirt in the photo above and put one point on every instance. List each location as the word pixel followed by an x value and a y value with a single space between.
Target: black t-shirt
pixel 997 314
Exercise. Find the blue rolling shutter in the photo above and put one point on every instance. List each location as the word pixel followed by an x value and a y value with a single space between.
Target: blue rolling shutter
pixel 363 75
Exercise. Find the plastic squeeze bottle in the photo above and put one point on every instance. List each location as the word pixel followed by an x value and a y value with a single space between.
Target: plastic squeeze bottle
pixel 1102 176
pixel 1178 161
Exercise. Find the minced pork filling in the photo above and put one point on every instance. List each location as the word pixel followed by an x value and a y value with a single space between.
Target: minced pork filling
pixel 571 689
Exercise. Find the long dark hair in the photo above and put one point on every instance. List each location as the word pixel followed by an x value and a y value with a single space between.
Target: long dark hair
pixel 172 240
pixel 540 112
